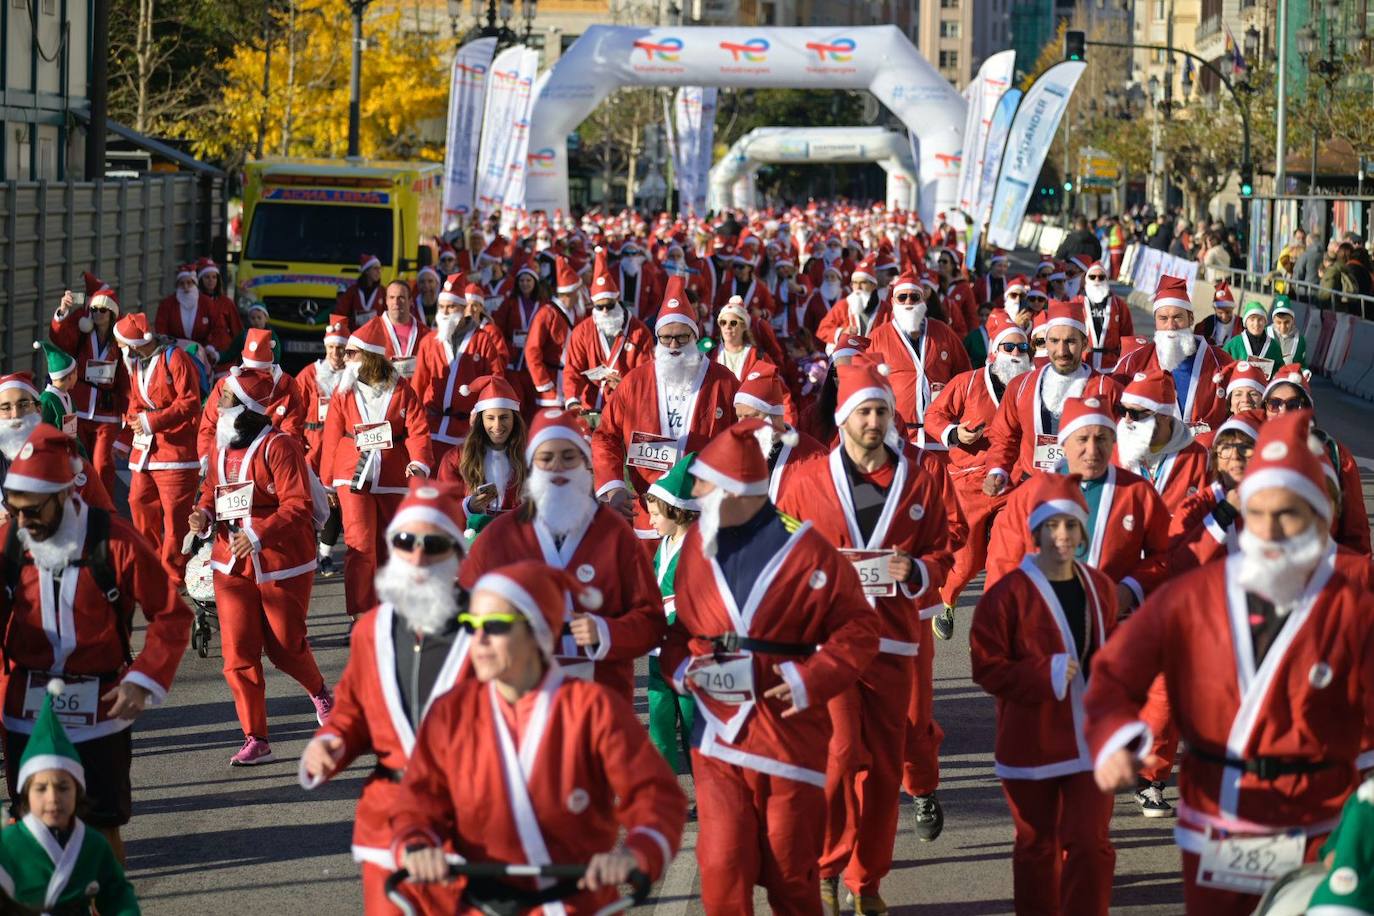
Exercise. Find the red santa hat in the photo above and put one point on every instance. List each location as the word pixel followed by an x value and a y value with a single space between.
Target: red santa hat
pixel 366 262
pixel 98 294
pixel 763 391
pixel 676 309
pixel 432 502
pixel 907 282
pixel 1171 291
pixel 850 345
pixel 1081 262
pixel 1223 298
pixel 861 380
pixel 735 306
pixel 734 460
pixel 257 349
pixel 492 392
pixel 1020 282
pixel 566 275
pixel 1243 374
pixel 998 255
pixel 541 594
pixel 428 270
pixel 336 332
pixel 1130 344
pixel 1291 374
pixel 1080 412
pixel 886 259
pixel 186 272
pixel 1057 494
pixel 451 290
pixel 22 381
pixel 254 388
pixel 867 269
pixel 132 330
pixel 48 462
pixel 370 338
pixel 474 294
pixel 999 327
pixel 1248 422
pixel 604 286
pixel 1037 290
pixel 556 423
pixel 1153 391
pixel 1062 314
pixel 1288 456
pixel 206 266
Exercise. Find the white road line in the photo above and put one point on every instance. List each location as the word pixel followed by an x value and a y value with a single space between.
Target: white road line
pixel 1366 463
pixel 675 890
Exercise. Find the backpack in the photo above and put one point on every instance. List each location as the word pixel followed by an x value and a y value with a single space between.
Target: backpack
pixel 202 373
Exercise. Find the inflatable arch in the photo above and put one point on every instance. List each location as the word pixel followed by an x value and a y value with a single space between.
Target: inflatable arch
pixel 877 58
pixel 732 178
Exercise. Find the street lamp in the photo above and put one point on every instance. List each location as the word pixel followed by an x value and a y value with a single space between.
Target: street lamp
pixel 1252 38
pixel 355 77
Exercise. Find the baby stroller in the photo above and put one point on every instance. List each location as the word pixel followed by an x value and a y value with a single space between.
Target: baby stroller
pixel 200 588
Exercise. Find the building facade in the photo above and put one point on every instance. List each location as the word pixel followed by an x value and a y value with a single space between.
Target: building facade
pixel 43 79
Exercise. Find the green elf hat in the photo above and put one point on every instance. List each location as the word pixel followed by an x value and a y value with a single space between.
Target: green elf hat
pixel 1282 307
pixel 60 362
pixel 49 748
pixel 1252 307
pixel 675 487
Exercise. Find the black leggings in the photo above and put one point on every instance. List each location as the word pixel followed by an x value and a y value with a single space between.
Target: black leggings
pixel 329 535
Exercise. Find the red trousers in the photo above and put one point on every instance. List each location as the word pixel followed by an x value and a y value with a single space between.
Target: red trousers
pixel 426 898
pixel 160 504
pixel 98 440
pixel 921 758
pixel 757 829
pixel 1062 859
pixel 864 774
pixel 1155 714
pixel 1208 901
pixel 365 517
pixel 263 616
pixel 980 511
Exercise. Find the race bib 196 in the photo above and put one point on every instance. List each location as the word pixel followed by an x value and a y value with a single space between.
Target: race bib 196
pixel 871 565
pixel 233 500
pixel 370 437
pixel 724 678
pixel 657 453
pixel 1048 453
pixel 1249 864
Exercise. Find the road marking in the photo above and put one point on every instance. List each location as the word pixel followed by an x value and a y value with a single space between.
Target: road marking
pixel 675 890
pixel 1366 463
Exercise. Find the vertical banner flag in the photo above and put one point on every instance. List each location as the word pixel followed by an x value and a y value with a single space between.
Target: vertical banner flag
pixel 993 79
pixel 993 148
pixel 467 93
pixel 670 135
pixel 1028 142
pixel 694 117
pixel 501 112
pixel 967 155
pixel 513 194
pixel 706 140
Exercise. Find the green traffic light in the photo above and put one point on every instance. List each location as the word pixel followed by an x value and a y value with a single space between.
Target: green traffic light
pixel 1068 186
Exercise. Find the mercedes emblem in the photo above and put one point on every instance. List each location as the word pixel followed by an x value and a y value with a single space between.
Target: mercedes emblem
pixel 309 308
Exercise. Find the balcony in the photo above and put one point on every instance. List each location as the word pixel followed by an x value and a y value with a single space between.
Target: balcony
pixel 1210 39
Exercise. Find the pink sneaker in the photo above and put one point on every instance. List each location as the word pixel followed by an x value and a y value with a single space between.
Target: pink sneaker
pixel 253 752
pixel 324 704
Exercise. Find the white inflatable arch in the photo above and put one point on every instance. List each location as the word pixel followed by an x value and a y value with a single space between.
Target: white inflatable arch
pixel 877 58
pixel 732 178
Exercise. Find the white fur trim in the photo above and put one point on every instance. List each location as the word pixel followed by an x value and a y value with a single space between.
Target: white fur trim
pixel 232 383
pixel 1168 301
pixel 1286 478
pixel 431 516
pixel 1047 510
pixel 791 674
pixel 1087 419
pixel 515 593
pixel 854 400
pixel 357 343
pixel 40 762
pixel 748 400
pixel 494 403
pixel 727 483
pixel 557 432
pixel 23 483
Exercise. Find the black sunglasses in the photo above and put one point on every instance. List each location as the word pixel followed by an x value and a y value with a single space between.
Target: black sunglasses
pixel 606 306
pixel 1281 404
pixel 431 545
pixel 907 297
pixel 27 511
pixel 1015 347
pixel 1137 414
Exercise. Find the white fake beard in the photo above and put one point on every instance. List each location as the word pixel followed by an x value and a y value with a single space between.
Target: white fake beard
pixel 423 595
pixel 188 298
pixel 1006 367
pixel 14 433
pixel 1278 570
pixel 1058 388
pixel 831 289
pixel 58 551
pixel 1133 440
pixel 676 368
pixel 1096 290
pixel 1173 347
pixel 224 426
pixel 563 508
pixel 708 523
pixel 630 266
pixel 326 377
pixel 348 377
pixel 446 323
pixel 609 323
pixel 909 320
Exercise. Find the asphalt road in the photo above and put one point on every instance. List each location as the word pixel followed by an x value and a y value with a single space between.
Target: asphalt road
pixel 210 839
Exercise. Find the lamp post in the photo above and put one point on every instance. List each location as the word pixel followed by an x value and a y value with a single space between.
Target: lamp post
pixel 355 77
pixel 1328 67
pixel 1281 97
pixel 493 12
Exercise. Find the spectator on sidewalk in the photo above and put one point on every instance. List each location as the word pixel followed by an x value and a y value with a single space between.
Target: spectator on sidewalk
pixel 1336 278
pixel 1358 266
pixel 1292 252
pixel 1216 259
pixel 1309 266
pixel 1082 240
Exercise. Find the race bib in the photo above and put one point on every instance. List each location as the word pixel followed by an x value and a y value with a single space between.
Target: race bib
pixel 656 453
pixel 78 705
pixel 371 437
pixel 69 424
pixel 405 366
pixel 1264 365
pixel 100 372
pixel 1198 429
pixel 597 373
pixel 1048 453
pixel 233 501
pixel 724 678
pixel 871 565
pixel 143 442
pixel 323 409
pixel 1249 865
pixel 578 666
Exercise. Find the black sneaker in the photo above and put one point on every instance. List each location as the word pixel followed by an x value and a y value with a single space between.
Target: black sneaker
pixel 1151 801
pixel 930 817
pixel 326 567
pixel 943 623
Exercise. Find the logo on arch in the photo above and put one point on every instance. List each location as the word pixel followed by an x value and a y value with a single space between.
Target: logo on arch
pixel 541 160
pixel 837 51
pixel 753 51
pixel 665 49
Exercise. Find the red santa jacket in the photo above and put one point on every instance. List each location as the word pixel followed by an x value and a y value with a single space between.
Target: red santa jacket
pixel 917 377
pixel 807 595
pixel 1204 403
pixel 1131 523
pixel 360 307
pixel 208 327
pixel 553 778
pixel 1020 643
pixel 545 349
pixel 786 472
pixel 638 404
pixel 280 523
pixel 1019 426
pixel 288 410
pixel 369 717
pixel 402 355
pixel 607 557
pixel 384 470
pixel 1351 527
pixel 165 403
pixel 588 352
pixel 444 366
pixel 847 313
pixel 806 314
pixel 757 298
pixel 1116 323
pixel 961 305
pixel 513 320
pixel 315 393
pixel 94 640
pixel 1305 701
pixel 648 294
pixel 94 400
pixel 229 315
pixel 913 522
pixel 968 398
pixel 753 358
pixel 1179 474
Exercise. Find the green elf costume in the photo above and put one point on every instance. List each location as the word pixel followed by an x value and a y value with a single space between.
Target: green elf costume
pixel 1348 889
pixel 55 403
pixel 668 708
pixel 37 868
pixel 1292 349
pixel 1263 351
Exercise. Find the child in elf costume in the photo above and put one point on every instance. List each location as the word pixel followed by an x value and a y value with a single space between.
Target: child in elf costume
pixel 671 511
pixel 56 400
pixel 50 860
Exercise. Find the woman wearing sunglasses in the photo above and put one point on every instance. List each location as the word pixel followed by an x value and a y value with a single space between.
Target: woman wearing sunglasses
pixel 490 466
pixel 735 350
pixel 523 764
pixel 1206 525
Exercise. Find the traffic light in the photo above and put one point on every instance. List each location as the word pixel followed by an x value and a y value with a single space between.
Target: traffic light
pixel 1075 45
pixel 1068 187
pixel 1247 180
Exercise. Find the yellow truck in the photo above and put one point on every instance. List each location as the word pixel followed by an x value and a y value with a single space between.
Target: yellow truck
pixel 306 221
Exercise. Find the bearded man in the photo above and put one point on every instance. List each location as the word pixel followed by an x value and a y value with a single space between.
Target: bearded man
pixel 189 316
pixel 606 346
pixel 1108 318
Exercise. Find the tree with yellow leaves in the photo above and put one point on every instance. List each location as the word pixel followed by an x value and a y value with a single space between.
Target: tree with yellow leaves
pixel 305 68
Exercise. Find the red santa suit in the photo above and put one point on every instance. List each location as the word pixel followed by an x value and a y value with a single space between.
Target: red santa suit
pixel 849 313
pixel 1105 332
pixel 754 295
pixel 920 369
pixel 545 349
pixel 315 384
pixel 163 411
pixel 1021 642
pixel 262 599
pixel 961 305
pixel 648 286
pixel 808 313
pixel 1020 440
pixel 589 352
pixel 205 325
pixel 1204 404
pixel 286 405
pixel 359 304
pixel 444 366
pixel 402 342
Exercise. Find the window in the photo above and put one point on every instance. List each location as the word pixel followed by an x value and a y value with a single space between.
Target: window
pixel 49 7
pixel 1159 10
pixel 322 234
pixel 949 60
pixel 949 4
pixel 949 28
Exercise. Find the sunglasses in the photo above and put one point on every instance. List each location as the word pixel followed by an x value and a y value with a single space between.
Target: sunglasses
pixel 907 297
pixel 732 323
pixel 1136 414
pixel 431 545
pixel 1278 405
pixel 605 307
pixel 1014 347
pixel 491 624
pixel 1096 277
pixel 1012 296
pixel 27 511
